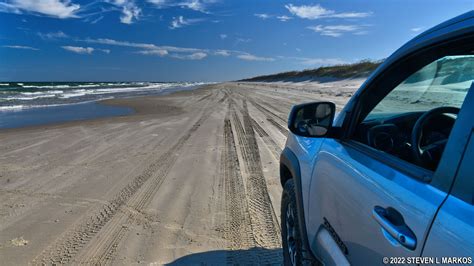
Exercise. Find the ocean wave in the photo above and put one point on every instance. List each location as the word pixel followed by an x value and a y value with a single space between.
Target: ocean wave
pixel 26 98
pixel 78 93
pixel 74 93
pixel 46 86
pixel 82 92
pixel 42 92
pixel 22 107
pixel 11 107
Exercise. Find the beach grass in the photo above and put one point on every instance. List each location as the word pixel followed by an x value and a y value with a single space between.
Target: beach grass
pixel 355 70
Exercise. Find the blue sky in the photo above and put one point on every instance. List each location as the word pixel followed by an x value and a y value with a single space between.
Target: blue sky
pixel 202 40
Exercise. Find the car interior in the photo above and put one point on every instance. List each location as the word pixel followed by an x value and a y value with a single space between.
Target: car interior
pixel 393 134
pixel 413 122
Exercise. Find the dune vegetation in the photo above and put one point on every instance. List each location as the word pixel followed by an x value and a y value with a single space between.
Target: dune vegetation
pixel 354 70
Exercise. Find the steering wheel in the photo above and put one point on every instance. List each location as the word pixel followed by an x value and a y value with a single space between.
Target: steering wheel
pixel 423 155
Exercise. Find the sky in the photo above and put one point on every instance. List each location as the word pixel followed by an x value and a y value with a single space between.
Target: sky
pixel 202 40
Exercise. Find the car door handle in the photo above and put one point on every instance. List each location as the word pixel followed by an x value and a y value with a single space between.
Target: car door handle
pixel 394 224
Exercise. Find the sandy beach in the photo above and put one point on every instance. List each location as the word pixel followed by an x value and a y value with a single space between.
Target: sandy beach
pixel 189 178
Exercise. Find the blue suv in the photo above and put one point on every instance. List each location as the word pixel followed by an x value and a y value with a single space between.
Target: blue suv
pixel 390 180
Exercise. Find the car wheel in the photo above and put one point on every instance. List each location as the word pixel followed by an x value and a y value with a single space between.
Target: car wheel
pixel 292 248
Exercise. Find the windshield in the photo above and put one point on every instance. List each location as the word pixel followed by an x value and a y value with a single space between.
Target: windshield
pixel 444 82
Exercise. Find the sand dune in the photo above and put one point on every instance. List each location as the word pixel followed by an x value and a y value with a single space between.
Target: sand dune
pixel 190 177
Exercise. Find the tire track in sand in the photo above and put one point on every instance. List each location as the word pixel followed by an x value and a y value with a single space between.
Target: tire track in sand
pixel 269 142
pixel 264 227
pixel 238 228
pixel 70 243
pixel 271 117
pixel 260 205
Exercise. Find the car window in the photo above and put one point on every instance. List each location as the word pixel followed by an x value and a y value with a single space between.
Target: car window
pixel 444 82
pixel 413 122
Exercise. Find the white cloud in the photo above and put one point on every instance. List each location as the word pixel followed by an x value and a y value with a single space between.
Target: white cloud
pixel 193 56
pixel 78 49
pixel 180 21
pixel 94 21
pixel 53 35
pixel 416 29
pixel 53 8
pixel 9 8
pixel 152 49
pixel 177 52
pixel 262 16
pixel 223 36
pixel 251 57
pixel 308 61
pixel 107 51
pixel 351 15
pixel 120 43
pixel 308 12
pixel 21 47
pixel 242 40
pixel 322 61
pixel 317 12
pixel 222 53
pixel 130 11
pixel 283 18
pixel 337 30
pixel 129 14
pixel 181 49
pixel 146 46
pixel 196 5
pixel 158 52
pixel 158 2
pixel 298 50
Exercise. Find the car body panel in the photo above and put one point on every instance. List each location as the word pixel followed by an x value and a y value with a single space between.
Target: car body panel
pixel 347 185
pixel 363 182
pixel 453 229
pixel 305 150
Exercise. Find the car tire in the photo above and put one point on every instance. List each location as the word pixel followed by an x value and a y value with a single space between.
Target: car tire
pixel 293 252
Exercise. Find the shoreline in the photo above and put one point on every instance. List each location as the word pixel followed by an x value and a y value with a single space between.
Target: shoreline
pixel 141 106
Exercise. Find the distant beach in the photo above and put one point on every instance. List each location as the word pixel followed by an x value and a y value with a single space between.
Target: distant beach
pixel 37 103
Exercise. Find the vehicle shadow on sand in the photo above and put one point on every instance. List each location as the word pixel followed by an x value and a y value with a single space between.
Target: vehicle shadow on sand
pixel 233 257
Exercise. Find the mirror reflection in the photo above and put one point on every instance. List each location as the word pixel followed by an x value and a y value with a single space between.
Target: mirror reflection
pixel 313 119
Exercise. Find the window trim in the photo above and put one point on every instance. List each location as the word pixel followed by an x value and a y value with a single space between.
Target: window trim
pixel 402 166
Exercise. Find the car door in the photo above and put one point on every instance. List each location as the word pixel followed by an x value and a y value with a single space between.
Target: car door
pixel 375 206
pixel 451 238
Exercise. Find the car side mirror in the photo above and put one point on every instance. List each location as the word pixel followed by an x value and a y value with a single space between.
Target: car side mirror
pixel 312 119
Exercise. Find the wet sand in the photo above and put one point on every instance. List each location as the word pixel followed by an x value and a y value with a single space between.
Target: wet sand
pixel 188 178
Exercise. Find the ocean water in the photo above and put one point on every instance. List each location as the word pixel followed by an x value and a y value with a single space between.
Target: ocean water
pixel 58 114
pixel 26 95
pixel 37 103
